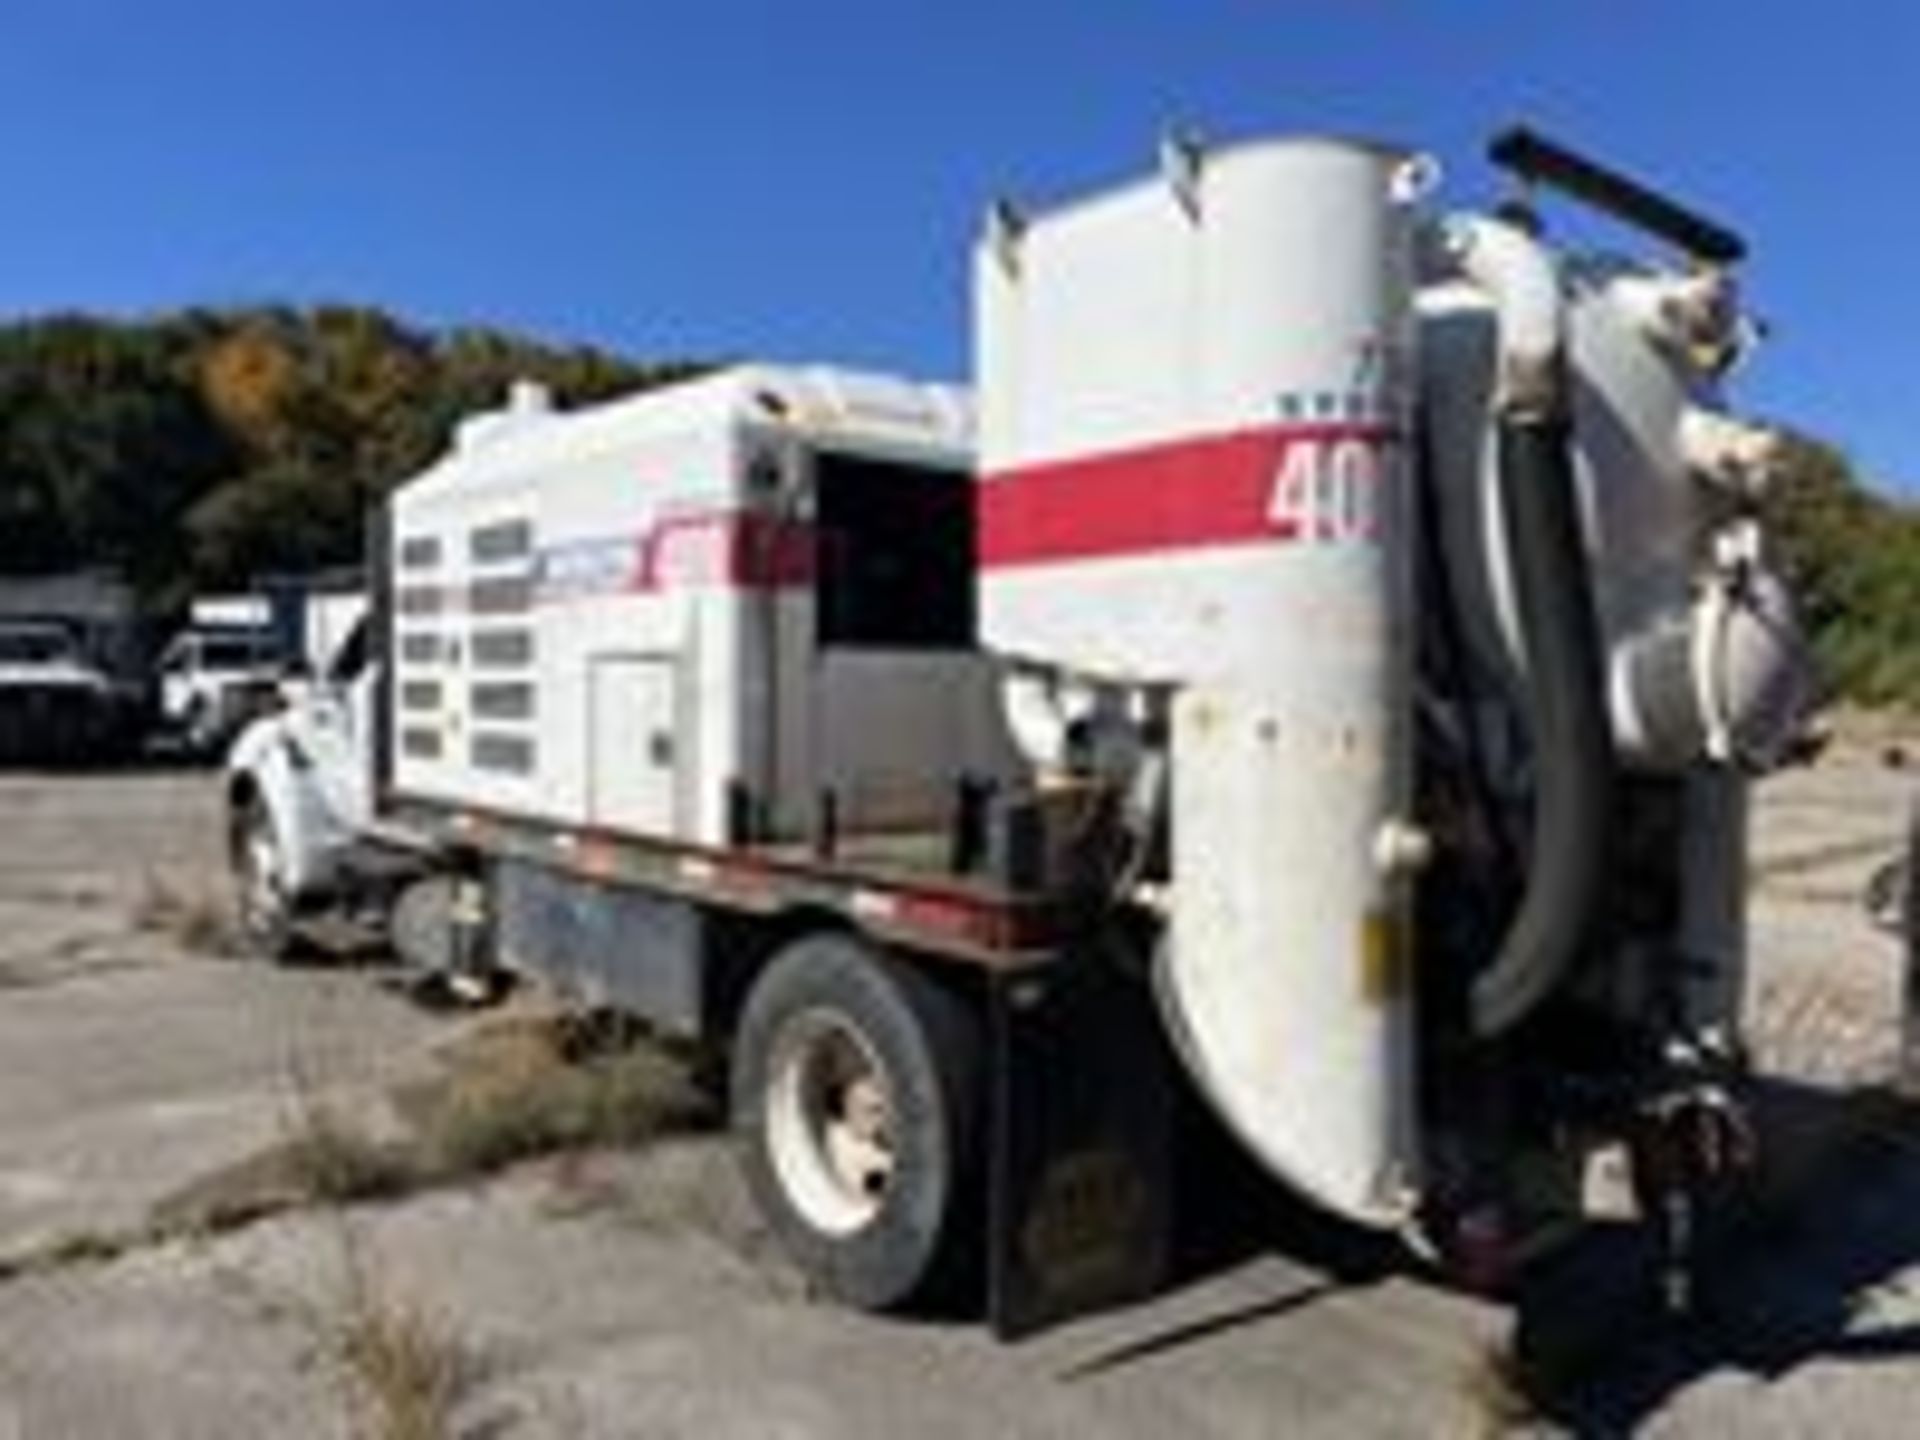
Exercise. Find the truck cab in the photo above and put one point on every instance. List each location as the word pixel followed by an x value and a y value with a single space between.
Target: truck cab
pixel 298 796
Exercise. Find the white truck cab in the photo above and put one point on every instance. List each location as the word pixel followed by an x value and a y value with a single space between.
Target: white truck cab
pixel 298 787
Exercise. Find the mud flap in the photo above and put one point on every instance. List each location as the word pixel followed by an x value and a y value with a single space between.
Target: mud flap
pixel 1080 1209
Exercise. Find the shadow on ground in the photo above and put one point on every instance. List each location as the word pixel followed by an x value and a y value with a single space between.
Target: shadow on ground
pixel 1228 1215
pixel 1785 1281
pixel 1788 1278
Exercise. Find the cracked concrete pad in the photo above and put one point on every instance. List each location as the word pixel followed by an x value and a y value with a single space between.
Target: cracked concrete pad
pixel 617 1295
pixel 130 1065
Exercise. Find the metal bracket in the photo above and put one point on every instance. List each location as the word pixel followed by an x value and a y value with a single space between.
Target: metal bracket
pixel 1006 228
pixel 1183 159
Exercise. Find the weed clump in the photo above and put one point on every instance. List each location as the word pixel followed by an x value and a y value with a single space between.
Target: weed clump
pixel 406 1371
pixel 195 916
pixel 526 1090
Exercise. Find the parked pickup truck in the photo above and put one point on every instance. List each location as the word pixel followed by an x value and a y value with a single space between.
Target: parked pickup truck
pixel 56 704
pixel 211 682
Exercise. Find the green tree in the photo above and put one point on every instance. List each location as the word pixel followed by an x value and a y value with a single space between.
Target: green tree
pixel 102 442
pixel 1855 559
pixel 206 447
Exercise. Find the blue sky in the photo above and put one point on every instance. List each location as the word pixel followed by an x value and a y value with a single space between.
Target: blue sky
pixel 802 180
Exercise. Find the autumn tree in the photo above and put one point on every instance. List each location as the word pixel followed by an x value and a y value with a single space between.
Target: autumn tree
pixel 207 447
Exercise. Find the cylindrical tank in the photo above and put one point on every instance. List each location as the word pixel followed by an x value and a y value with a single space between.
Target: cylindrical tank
pixel 1194 476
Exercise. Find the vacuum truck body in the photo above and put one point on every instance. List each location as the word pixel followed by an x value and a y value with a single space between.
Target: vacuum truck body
pixel 1325 686
pixel 1219 410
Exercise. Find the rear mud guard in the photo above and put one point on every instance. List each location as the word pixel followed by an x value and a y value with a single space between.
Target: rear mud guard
pixel 1080 1171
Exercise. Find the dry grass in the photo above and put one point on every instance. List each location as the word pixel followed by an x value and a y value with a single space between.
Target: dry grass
pixel 333 1163
pixel 325 1159
pixel 408 1370
pixel 197 916
pixel 68 1251
pixel 1498 1394
pixel 402 1369
pixel 522 1088
pixel 512 1090
pixel 329 1158
pixel 405 1370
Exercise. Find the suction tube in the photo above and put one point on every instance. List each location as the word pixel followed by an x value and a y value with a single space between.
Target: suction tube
pixel 1553 600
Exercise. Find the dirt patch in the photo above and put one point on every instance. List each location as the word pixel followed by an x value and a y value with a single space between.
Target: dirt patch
pixel 1832 1028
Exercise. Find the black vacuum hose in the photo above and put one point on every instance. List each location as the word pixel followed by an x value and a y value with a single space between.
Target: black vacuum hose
pixel 1567 713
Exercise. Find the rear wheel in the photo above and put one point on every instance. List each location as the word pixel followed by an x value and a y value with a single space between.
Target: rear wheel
pixel 262 900
pixel 855 1097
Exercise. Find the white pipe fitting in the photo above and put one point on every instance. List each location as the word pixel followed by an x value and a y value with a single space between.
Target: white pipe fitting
pixel 1739 457
pixel 1521 277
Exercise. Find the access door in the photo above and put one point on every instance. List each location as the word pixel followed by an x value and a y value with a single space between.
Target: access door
pixel 634 743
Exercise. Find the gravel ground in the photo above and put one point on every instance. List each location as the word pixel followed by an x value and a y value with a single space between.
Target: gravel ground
pixel 635 1294
pixel 1826 984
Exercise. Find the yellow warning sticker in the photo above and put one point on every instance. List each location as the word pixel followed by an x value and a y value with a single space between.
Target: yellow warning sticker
pixel 1383 957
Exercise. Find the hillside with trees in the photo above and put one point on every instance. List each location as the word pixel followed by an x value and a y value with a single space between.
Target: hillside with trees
pixel 1855 558
pixel 198 449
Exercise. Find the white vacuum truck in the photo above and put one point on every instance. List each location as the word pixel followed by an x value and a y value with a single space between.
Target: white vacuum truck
pixel 1324 678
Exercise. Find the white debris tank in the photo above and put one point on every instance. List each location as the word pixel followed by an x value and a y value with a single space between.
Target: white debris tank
pixel 1195 484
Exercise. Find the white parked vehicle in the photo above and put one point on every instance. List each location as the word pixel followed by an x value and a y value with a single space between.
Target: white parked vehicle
pixel 211 681
pixel 56 704
pixel 1328 680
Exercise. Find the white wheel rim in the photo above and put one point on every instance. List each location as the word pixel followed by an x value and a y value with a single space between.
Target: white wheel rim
pixel 829 1122
pixel 261 883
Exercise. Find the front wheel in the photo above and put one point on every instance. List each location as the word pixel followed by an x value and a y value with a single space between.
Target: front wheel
pixel 855 1097
pixel 262 899
pixel 1885 896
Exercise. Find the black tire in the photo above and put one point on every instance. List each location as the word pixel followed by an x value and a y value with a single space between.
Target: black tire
pixel 908 1241
pixel 262 907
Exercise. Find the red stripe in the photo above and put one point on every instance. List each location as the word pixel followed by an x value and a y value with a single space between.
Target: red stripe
pixel 741 549
pixel 1213 490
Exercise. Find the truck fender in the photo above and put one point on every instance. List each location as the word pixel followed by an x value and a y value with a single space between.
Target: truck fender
pixel 262 768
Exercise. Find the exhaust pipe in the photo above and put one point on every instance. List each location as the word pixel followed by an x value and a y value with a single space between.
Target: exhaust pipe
pixel 1553 597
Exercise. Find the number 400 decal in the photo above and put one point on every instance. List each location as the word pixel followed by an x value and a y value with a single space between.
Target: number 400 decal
pixel 1330 487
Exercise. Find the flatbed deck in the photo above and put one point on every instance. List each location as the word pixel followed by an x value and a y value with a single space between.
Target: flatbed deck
pixel 898 885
